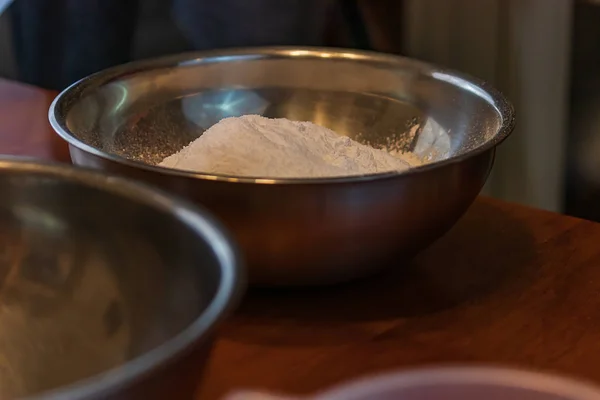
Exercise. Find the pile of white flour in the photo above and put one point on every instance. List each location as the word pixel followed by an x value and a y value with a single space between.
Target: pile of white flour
pixel 256 146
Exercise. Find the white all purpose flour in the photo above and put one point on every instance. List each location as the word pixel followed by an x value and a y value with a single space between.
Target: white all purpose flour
pixel 256 146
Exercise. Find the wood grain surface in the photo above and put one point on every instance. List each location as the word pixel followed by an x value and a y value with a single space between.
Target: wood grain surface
pixel 508 285
pixel 24 127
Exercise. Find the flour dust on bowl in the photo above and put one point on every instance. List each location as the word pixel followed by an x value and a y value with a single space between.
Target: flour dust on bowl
pixel 299 230
pixel 107 289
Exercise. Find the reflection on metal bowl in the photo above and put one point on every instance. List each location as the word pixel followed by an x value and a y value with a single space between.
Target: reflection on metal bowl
pixel 299 231
pixel 106 288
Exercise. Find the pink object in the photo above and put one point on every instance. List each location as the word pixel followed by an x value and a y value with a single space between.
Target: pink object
pixel 450 383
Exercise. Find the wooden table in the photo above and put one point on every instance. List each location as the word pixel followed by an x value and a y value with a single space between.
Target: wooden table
pixel 508 285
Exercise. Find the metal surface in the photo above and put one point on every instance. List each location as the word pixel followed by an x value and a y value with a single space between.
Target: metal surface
pixel 299 231
pixel 107 289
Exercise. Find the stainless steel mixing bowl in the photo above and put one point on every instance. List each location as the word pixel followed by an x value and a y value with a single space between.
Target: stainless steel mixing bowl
pixel 107 289
pixel 299 231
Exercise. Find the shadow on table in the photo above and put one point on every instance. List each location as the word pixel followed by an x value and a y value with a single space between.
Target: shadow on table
pixel 487 250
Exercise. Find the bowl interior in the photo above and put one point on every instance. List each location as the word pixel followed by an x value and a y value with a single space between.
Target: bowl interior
pixel 149 110
pixel 90 279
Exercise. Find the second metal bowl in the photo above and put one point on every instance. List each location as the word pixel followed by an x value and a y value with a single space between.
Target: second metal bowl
pixel 299 231
pixel 108 290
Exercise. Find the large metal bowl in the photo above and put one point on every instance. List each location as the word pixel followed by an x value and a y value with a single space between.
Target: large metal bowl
pixel 107 289
pixel 299 231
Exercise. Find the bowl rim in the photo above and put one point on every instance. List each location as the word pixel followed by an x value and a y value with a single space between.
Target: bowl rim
pixel 478 87
pixel 226 297
pixel 463 374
